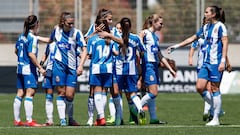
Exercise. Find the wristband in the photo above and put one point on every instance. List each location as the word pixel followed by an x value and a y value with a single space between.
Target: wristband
pixel 223 60
pixel 173 48
pixel 176 46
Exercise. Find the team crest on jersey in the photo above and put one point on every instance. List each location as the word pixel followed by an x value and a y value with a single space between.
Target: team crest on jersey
pixel 57 79
pixel 216 30
pixel 151 78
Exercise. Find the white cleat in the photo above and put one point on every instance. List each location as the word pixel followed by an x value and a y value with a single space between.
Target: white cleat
pixel 213 123
pixel 90 122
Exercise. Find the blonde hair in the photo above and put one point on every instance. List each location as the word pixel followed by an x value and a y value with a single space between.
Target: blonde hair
pixel 150 20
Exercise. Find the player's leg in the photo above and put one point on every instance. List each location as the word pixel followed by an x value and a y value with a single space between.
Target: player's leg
pixel 96 81
pixel 207 106
pixel 116 109
pixel 61 105
pixel 71 82
pixel 104 97
pixel 112 109
pixel 17 107
pixel 30 86
pixel 203 88
pixel 131 82
pixel 49 107
pixel 47 85
pixel 151 82
pixel 18 101
pixel 216 94
pixel 91 106
pixel 152 112
pixel 70 92
pixel 58 80
pixel 217 104
pixel 28 105
pixel 133 118
pixel 117 104
pixel 99 105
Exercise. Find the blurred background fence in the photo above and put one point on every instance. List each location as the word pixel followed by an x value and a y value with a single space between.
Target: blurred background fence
pixel 181 17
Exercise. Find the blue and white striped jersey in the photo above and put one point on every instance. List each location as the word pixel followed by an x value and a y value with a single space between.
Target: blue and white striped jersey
pixel 213 34
pixel 201 52
pixel 24 46
pixel 151 45
pixel 67 44
pixel 115 32
pixel 90 30
pixel 101 55
pixel 202 47
pixel 126 64
pixel 50 53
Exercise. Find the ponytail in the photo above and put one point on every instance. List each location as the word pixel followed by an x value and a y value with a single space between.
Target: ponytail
pixel 125 26
pixel 29 23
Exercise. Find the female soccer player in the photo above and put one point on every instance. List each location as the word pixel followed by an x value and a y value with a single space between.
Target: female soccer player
pixel 101 51
pixel 152 57
pixel 103 14
pixel 127 66
pixel 201 55
pixel 216 40
pixel 212 70
pixel 65 68
pixel 47 81
pixel 26 50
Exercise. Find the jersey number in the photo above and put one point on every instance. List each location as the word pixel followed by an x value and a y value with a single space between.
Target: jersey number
pixel 103 51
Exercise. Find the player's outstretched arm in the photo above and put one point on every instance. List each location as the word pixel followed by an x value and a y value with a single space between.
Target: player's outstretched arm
pixel 187 41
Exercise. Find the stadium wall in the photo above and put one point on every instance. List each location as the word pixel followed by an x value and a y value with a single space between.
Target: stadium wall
pixel 183 83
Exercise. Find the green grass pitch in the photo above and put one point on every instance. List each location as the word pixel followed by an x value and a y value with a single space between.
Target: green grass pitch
pixel 182 111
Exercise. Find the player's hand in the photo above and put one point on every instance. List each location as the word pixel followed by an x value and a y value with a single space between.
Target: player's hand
pixel 100 27
pixel 170 49
pixel 79 70
pixel 190 62
pixel 42 71
pixel 229 68
pixel 174 73
pixel 171 63
pixel 221 67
